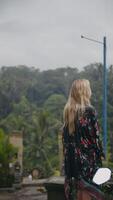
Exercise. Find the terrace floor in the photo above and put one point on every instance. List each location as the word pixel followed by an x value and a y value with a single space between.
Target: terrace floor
pixel 26 193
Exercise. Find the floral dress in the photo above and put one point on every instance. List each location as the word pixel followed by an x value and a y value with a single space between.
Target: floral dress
pixel 82 156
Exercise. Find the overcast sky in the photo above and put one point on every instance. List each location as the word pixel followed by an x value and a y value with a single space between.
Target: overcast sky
pixel 46 33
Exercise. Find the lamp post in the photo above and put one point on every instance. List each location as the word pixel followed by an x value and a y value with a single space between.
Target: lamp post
pixel 104 90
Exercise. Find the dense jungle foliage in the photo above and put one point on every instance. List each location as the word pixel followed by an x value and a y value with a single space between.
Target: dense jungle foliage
pixel 32 101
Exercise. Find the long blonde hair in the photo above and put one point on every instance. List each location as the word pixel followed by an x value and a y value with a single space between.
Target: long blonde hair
pixel 79 98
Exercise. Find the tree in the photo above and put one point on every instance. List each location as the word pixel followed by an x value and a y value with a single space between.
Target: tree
pixel 7 152
pixel 55 104
pixel 42 148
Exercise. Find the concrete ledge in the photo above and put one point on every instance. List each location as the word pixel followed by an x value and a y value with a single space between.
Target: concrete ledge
pixel 6 189
pixel 27 183
pixel 55 188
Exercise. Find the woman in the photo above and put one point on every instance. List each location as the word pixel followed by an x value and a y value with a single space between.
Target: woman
pixel 81 144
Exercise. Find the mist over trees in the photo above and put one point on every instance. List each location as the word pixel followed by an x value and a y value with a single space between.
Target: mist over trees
pixel 32 101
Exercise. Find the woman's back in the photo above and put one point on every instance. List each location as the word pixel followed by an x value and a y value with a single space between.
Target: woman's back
pixel 81 144
pixel 83 149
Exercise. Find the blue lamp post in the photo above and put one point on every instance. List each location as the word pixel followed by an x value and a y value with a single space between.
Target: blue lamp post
pixel 104 96
pixel 104 91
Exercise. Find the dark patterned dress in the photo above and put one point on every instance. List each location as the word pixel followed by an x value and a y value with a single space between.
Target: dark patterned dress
pixel 82 156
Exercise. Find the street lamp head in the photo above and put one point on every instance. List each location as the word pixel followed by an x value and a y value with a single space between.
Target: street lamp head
pixel 82 36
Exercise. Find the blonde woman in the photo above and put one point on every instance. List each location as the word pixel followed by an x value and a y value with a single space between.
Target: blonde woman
pixel 81 144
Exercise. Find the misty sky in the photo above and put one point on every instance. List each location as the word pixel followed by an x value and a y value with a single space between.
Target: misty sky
pixel 46 33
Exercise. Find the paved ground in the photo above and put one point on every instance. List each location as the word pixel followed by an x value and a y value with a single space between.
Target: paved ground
pixel 27 193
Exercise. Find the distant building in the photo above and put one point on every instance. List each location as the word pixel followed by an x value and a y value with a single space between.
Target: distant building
pixel 16 139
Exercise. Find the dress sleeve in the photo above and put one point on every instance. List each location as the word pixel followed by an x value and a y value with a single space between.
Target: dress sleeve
pixel 95 131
